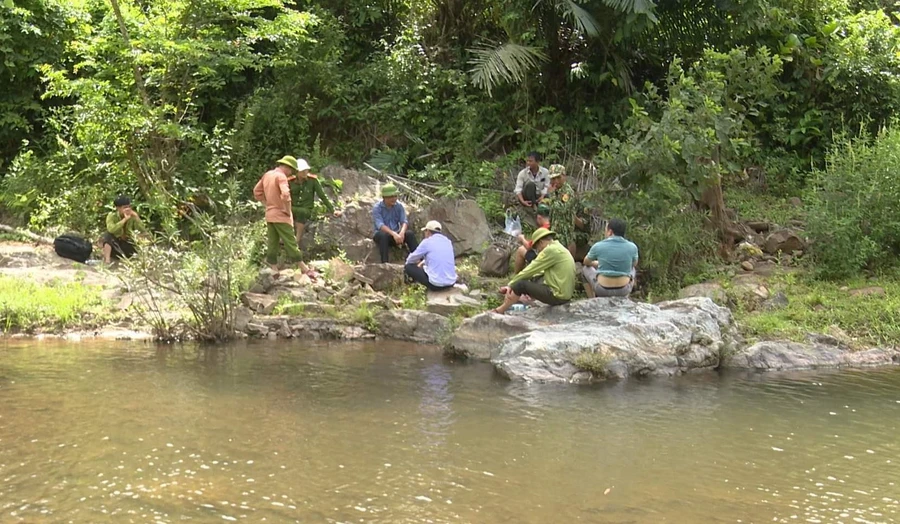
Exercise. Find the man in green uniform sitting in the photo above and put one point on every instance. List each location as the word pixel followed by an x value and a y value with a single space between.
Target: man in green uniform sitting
pixel 305 187
pixel 118 241
pixel 549 279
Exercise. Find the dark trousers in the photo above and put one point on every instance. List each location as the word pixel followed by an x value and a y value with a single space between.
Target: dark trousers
pixel 530 192
pixel 121 248
pixel 385 241
pixel 538 291
pixel 418 275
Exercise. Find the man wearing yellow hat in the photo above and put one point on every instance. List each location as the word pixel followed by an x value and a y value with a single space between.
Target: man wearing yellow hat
pixel 549 279
pixel 391 224
pixel 273 191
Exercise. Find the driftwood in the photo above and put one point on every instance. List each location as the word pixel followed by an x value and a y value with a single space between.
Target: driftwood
pixel 27 234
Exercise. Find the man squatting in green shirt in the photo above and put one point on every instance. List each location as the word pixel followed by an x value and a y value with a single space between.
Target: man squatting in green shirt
pixel 118 240
pixel 549 279
pixel 305 187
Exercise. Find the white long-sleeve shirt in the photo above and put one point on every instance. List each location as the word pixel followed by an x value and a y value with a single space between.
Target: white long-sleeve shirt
pixel 541 180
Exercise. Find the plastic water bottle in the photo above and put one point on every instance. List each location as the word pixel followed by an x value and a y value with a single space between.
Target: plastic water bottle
pixel 518 307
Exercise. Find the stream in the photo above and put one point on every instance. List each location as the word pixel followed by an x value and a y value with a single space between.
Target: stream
pixel 391 432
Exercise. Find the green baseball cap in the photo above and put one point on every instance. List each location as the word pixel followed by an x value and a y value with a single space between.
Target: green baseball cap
pixel 540 233
pixel 289 161
pixel 557 170
pixel 389 190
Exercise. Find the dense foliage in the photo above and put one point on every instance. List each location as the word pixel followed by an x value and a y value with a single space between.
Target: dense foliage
pixel 659 106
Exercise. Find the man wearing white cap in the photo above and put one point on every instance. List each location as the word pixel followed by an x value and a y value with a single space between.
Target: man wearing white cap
pixel 433 263
pixel 305 187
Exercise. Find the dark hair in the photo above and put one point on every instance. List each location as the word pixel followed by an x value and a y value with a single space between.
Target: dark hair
pixel 617 226
pixel 122 201
pixel 535 155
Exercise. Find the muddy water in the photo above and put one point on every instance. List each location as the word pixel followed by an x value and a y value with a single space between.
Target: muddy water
pixel 394 433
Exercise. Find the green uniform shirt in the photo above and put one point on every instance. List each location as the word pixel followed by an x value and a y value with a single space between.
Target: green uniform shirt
pixel 303 198
pixel 563 208
pixel 121 228
pixel 557 266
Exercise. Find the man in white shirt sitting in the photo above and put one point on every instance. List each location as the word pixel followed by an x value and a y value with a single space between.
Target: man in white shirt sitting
pixel 533 181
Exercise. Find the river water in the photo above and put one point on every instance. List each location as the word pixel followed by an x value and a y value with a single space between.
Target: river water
pixel 390 432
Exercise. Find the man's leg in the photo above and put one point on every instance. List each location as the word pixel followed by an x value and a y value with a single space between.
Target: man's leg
pixel 520 259
pixel 417 274
pixel 589 275
pixel 383 241
pixel 299 229
pixel 530 192
pixel 289 241
pixel 273 245
pixel 107 253
pixel 410 241
pixel 541 292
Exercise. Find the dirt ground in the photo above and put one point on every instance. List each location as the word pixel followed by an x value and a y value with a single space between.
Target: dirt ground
pixel 39 263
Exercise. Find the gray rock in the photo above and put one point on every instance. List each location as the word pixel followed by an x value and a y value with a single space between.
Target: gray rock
pixel 868 292
pixel 747 265
pixel 779 301
pixel 711 290
pixel 623 338
pixel 381 277
pixel 464 223
pixel 258 303
pixel 416 326
pixel 340 271
pixel 448 302
pixel 783 240
pixel 264 281
pixel 242 317
pixel 784 356
pixel 759 226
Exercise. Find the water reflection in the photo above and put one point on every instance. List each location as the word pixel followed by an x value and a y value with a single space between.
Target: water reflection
pixel 394 432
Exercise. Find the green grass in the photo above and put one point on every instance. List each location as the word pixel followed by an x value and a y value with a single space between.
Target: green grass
pixel 25 306
pixel 821 306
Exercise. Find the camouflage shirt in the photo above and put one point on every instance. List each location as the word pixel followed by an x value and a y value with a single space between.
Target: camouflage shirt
pixel 563 209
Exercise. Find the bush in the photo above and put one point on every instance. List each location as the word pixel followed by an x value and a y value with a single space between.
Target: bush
pixel 854 206
pixel 28 305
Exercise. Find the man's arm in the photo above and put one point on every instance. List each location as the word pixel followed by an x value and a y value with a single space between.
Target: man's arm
pixel 404 224
pixel 543 262
pixel 320 192
pixel 285 192
pixel 115 227
pixel 378 218
pixel 419 253
pixel 520 184
pixel 591 258
pixel 258 192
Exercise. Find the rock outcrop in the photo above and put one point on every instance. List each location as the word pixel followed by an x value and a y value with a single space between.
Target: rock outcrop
pixel 415 326
pixel 784 241
pixel 619 337
pixel 464 223
pixel 790 356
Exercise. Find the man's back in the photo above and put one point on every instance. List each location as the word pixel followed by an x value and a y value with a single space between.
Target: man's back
pixel 272 190
pixel 616 256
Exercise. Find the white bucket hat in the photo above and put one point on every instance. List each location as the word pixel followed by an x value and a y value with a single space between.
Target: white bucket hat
pixel 432 225
pixel 302 165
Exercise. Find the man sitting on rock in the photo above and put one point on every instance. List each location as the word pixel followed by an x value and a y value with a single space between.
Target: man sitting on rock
pixel 121 224
pixel 433 263
pixel 273 191
pixel 391 224
pixel 526 253
pixel 305 187
pixel 549 279
pixel 532 182
pixel 609 266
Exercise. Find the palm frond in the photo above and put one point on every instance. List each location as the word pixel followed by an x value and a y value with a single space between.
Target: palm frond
pixel 639 7
pixel 508 62
pixel 584 21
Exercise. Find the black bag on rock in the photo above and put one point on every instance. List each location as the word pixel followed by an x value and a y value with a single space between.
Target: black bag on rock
pixel 73 247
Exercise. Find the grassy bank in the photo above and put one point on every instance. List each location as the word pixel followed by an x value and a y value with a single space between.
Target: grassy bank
pixel 861 311
pixel 27 306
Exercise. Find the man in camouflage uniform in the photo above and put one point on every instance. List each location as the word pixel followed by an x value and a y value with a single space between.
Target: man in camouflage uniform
pixel 563 207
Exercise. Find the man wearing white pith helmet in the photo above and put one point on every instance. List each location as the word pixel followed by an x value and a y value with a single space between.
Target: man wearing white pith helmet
pixel 433 264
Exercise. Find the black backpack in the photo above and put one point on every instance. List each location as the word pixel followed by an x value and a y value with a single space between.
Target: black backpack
pixel 73 247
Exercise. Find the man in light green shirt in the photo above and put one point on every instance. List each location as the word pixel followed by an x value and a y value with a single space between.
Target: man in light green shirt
pixel 549 279
pixel 121 224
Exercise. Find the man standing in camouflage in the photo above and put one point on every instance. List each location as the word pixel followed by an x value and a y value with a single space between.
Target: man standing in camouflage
pixel 563 207
pixel 305 187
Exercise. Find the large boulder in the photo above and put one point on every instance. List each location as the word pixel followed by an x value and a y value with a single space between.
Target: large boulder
pixel 711 290
pixel 381 277
pixel 784 241
pixel 464 223
pixel 785 356
pixel 258 303
pixel 415 326
pixel 618 337
pixel 449 301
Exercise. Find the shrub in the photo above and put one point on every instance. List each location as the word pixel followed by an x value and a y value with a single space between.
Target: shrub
pixel 854 206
